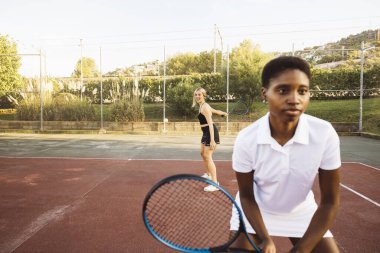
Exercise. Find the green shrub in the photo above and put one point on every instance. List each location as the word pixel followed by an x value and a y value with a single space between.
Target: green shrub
pixel 180 97
pixel 127 111
pixel 62 108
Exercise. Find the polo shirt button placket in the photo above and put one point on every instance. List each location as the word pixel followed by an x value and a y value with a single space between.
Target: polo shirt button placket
pixel 285 160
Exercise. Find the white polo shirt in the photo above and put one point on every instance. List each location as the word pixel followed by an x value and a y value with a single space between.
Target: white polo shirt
pixel 284 175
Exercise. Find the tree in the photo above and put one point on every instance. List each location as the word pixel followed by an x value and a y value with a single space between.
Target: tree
pixel 182 64
pixel 246 64
pixel 190 63
pixel 10 79
pixel 89 68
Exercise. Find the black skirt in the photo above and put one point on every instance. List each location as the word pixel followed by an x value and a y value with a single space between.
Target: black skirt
pixel 206 135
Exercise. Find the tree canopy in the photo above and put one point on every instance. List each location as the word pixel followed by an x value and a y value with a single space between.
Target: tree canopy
pixel 10 63
pixel 89 68
pixel 246 64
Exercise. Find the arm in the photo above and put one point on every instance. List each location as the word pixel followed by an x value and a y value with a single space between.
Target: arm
pixel 207 112
pixel 252 211
pixel 325 215
pixel 218 112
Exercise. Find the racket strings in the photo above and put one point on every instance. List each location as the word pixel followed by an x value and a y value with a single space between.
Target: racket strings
pixel 182 213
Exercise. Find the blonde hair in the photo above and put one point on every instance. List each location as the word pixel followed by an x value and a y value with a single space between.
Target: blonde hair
pixel 204 93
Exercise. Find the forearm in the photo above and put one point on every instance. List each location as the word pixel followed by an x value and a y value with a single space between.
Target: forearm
pixel 322 220
pixel 219 112
pixel 211 128
pixel 253 214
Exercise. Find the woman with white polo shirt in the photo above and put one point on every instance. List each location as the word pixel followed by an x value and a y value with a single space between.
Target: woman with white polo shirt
pixel 276 160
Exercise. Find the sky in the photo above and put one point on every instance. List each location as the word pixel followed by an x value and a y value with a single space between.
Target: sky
pixel 132 32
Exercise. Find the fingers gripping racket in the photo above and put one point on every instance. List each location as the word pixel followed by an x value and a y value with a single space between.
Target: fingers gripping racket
pixel 180 214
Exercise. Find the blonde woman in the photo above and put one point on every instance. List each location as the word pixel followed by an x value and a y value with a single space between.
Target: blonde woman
pixel 210 136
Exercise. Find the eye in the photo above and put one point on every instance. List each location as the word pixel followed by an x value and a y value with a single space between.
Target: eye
pixel 303 91
pixel 282 90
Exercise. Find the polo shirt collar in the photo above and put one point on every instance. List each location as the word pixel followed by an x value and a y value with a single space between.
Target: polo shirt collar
pixel 301 135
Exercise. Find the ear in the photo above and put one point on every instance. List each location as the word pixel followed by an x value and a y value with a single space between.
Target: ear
pixel 264 93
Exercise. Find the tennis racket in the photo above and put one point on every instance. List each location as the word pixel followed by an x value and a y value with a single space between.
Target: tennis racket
pixel 181 215
pixel 239 108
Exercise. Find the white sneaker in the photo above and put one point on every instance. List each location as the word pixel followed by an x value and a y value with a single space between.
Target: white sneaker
pixel 207 176
pixel 211 188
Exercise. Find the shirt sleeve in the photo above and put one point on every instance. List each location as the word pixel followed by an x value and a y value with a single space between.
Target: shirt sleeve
pixel 241 158
pixel 331 155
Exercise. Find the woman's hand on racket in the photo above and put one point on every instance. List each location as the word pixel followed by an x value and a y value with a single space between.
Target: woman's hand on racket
pixel 268 246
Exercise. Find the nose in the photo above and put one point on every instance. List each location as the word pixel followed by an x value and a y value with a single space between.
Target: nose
pixel 293 98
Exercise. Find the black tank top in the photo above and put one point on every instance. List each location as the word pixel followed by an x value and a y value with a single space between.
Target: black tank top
pixel 201 117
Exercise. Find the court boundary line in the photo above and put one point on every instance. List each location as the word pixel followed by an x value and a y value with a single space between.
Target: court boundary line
pixel 360 195
pixel 369 166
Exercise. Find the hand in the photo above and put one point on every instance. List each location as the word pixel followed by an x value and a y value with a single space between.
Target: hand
pixel 212 145
pixel 224 114
pixel 268 246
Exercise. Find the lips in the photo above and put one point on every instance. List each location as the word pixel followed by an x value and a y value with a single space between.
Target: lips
pixel 293 111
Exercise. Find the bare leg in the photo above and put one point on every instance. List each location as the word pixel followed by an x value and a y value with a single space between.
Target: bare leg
pixel 241 243
pixel 325 245
pixel 209 162
pixel 204 158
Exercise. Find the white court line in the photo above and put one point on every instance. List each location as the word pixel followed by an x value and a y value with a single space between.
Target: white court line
pixel 369 166
pixel 360 195
pixel 357 193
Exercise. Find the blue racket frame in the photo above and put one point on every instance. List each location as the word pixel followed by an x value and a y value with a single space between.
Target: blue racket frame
pixel 192 250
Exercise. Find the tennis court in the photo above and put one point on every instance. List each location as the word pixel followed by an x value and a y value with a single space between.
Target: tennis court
pixel 83 193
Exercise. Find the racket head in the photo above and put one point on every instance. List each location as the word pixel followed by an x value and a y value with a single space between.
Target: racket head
pixel 240 108
pixel 181 215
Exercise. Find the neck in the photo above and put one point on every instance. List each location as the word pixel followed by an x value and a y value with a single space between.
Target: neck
pixel 281 131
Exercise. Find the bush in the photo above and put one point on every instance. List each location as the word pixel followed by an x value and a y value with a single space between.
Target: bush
pixel 63 108
pixel 180 97
pixel 127 111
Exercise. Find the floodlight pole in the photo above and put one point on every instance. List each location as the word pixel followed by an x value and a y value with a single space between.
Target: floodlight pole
pixel 228 85
pixel 101 92
pixel 164 95
pixel 214 48
pixel 81 69
pixel 221 55
pixel 41 106
pixel 362 50
pixel 361 88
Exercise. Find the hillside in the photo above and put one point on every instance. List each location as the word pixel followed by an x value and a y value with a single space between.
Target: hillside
pixel 342 50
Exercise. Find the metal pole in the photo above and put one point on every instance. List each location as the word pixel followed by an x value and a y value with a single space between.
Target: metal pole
pixel 41 106
pixel 228 84
pixel 81 69
pixel 101 92
pixel 164 90
pixel 45 72
pixel 292 49
pixel 221 54
pixel 361 88
pixel 214 48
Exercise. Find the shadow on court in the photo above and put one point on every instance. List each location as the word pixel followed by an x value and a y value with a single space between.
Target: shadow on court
pixel 94 205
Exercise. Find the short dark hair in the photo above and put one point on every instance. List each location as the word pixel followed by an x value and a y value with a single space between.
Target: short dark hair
pixel 278 65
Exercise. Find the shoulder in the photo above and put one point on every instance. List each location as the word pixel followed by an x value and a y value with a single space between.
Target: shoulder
pixel 249 134
pixel 321 130
pixel 206 108
pixel 318 125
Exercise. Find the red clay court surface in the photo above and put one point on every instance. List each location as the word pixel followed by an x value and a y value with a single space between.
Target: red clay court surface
pixel 94 205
